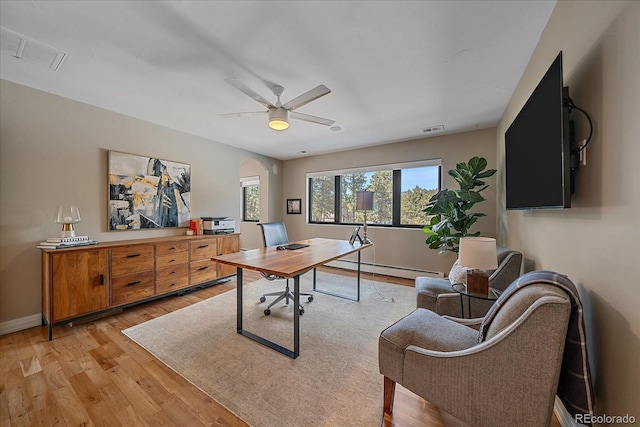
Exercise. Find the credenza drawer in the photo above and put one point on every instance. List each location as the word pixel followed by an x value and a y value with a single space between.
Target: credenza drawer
pixel 132 287
pixel 131 259
pixel 203 271
pixel 172 259
pixel 171 278
pixel 169 248
pixel 203 249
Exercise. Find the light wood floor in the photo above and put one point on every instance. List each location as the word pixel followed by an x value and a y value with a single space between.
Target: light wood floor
pixel 92 374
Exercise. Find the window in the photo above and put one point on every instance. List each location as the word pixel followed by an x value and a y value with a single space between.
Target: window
pixel 250 198
pixel 401 192
pixel 322 208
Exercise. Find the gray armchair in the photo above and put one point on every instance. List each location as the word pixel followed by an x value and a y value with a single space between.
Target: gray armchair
pixel 436 294
pixel 505 375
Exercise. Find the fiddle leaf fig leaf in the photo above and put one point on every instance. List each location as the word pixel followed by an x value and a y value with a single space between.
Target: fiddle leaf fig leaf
pixel 477 164
pixel 486 174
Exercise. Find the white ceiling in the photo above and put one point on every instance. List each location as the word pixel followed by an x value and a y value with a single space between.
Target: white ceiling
pixel 394 67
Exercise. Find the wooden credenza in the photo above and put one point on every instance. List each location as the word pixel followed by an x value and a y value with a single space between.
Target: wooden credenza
pixel 85 281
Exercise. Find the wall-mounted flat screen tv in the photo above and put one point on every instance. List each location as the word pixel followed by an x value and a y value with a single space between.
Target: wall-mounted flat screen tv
pixel 537 148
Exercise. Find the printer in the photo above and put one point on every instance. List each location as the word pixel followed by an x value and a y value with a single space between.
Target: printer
pixel 219 225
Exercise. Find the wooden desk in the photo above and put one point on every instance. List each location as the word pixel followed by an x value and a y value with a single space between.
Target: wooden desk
pixel 288 264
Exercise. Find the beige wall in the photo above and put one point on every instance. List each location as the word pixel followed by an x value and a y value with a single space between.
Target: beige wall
pixel 402 247
pixel 270 186
pixel 596 241
pixel 54 150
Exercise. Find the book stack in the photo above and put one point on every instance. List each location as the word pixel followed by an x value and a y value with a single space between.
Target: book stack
pixel 197 225
pixel 66 242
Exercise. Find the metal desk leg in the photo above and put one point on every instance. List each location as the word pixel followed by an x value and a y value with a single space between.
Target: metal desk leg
pixel 296 321
pixel 239 299
pixel 357 298
pixel 296 316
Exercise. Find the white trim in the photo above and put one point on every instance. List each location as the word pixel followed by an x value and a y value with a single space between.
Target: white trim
pixel 20 324
pixel 249 180
pixel 387 270
pixel 390 166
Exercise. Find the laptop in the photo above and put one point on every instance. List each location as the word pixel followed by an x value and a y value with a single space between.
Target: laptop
pixel 292 246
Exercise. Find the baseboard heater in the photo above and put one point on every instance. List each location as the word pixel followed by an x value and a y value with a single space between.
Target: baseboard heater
pixel 387 270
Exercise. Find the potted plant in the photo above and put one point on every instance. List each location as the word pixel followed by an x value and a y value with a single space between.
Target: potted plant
pixel 450 213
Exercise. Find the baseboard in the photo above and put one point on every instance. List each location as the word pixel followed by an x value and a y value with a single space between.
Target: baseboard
pixel 20 324
pixel 387 270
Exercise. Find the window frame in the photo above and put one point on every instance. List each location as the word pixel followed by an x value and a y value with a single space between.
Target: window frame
pixel 396 169
pixel 245 183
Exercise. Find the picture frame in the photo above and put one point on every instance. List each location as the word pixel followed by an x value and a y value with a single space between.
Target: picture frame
pixel 294 206
pixel 355 235
pixel 147 192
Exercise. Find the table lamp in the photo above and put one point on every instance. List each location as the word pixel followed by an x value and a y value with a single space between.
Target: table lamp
pixel 479 254
pixel 364 202
pixel 67 215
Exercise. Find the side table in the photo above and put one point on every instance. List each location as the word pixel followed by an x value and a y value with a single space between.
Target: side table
pixel 461 288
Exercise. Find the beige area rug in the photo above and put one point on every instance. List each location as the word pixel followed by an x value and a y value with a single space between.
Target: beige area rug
pixel 334 382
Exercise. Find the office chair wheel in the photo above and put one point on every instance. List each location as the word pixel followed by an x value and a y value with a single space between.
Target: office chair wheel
pixel 262 299
pixel 310 298
pixel 301 311
pixel 267 312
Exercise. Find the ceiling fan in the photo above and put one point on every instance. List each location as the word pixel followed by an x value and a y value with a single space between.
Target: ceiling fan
pixel 279 113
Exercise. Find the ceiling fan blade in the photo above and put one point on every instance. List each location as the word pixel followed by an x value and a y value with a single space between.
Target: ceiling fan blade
pixel 312 119
pixel 248 91
pixel 307 97
pixel 244 114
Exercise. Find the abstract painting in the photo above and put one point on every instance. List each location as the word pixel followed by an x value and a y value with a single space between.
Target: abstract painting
pixel 145 192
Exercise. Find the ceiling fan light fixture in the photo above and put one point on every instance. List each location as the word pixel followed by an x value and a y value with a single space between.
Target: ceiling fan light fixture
pixel 278 118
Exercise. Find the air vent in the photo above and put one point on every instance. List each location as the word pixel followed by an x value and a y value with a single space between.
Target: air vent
pixel 20 47
pixel 432 129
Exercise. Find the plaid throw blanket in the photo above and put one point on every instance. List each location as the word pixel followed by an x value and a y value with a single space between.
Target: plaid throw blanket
pixel 574 387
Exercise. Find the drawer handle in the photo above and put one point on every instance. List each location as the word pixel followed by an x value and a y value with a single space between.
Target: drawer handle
pixel 173 260
pixel 133 255
pixel 134 283
pixel 173 272
pixel 203 246
pixel 102 280
pixel 203 268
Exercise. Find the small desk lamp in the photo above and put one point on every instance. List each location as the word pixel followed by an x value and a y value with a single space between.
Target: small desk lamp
pixel 364 202
pixel 479 254
pixel 67 215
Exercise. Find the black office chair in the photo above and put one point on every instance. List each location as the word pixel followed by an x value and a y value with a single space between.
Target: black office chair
pixel 274 234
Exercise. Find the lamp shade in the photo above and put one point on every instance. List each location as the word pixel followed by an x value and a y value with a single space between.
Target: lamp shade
pixel 278 118
pixel 67 214
pixel 364 200
pixel 478 253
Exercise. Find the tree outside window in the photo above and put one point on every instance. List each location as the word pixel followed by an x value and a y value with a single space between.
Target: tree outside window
pixel 322 191
pixel 251 202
